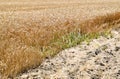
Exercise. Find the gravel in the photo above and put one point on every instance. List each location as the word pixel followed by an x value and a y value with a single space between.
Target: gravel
pixel 99 59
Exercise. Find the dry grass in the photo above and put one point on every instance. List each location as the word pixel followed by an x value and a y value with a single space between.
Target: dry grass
pixel 100 23
pixel 25 45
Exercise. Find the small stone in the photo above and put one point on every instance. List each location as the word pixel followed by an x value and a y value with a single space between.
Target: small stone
pixel 118 72
pixel 36 70
pixel 106 59
pixel 101 64
pixel 110 53
pixel 117 48
pixel 90 71
pixel 97 51
pixel 72 52
pixel 95 77
pixel 103 70
pixel 52 64
pixel 54 70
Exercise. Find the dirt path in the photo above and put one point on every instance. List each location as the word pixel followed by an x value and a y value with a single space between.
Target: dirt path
pixel 100 59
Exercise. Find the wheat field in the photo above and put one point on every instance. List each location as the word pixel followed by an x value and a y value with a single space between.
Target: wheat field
pixel 30 29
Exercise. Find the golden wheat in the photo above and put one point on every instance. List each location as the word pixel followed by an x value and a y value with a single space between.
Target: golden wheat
pixel 25 40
